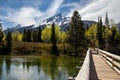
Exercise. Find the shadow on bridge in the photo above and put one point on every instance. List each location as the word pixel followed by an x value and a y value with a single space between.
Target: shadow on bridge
pixel 93 73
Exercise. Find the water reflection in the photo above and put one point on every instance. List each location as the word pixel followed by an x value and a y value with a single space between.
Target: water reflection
pixel 8 64
pixel 1 64
pixel 38 67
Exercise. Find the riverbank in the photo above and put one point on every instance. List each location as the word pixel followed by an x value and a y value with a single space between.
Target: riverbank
pixel 35 48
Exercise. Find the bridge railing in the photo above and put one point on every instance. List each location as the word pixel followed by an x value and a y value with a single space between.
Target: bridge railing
pixel 112 59
pixel 84 72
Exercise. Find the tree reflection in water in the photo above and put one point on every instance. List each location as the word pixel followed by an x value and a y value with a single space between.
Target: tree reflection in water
pixel 1 64
pixel 38 67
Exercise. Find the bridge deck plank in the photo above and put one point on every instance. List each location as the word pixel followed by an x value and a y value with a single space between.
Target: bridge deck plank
pixel 104 71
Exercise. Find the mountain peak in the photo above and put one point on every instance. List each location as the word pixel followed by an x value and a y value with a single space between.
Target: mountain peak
pixel 58 19
pixel 18 26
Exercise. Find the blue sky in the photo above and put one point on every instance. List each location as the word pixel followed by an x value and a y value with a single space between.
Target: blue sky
pixel 26 12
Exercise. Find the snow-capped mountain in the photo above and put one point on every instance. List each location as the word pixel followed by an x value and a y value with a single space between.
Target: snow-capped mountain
pixel 15 28
pixel 58 19
pixel 19 28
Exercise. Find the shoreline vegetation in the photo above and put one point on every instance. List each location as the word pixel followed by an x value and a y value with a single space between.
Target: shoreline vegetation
pixel 34 48
pixel 42 49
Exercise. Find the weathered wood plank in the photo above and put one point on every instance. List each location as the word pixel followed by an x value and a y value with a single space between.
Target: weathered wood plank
pixel 104 71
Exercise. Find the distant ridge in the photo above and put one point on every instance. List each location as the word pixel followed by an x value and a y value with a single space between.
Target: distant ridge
pixel 58 19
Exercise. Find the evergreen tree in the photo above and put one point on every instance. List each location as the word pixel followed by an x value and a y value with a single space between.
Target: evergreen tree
pixel 107 30
pixel 1 36
pixel 28 36
pixel 35 36
pixel 9 41
pixel 39 35
pixel 77 33
pixel 24 35
pixel 106 20
pixel 54 41
pixel 100 33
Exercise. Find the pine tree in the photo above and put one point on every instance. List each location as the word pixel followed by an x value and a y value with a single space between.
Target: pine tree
pixel 107 30
pixel 99 30
pixel 24 35
pixel 35 36
pixel 9 41
pixel 54 48
pixel 100 33
pixel 28 36
pixel 106 20
pixel 77 33
pixel 1 37
pixel 39 35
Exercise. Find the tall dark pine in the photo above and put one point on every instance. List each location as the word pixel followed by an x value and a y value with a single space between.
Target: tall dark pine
pixel 54 48
pixel 29 35
pixel 100 33
pixel 24 35
pixel 39 39
pixel 106 20
pixel 9 41
pixel 77 33
pixel 34 35
pixel 107 40
pixel 1 37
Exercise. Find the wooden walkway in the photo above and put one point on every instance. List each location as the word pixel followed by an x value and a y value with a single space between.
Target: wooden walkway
pixel 100 70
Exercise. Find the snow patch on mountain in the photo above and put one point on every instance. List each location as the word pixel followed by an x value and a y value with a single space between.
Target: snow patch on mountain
pixel 58 19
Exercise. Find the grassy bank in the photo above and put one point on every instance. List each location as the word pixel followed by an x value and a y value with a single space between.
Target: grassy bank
pixel 35 48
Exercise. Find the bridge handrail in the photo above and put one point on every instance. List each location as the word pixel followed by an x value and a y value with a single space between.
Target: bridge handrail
pixel 110 54
pixel 112 59
pixel 84 71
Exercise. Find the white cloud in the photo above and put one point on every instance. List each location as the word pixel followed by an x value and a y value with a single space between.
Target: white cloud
pixel 24 16
pixel 99 8
pixel 27 15
pixel 77 6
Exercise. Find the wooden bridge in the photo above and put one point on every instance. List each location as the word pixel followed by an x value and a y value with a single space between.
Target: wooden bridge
pixel 99 65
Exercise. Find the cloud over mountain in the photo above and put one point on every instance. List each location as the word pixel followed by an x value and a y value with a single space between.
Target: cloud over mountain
pixel 97 8
pixel 27 15
pixel 34 11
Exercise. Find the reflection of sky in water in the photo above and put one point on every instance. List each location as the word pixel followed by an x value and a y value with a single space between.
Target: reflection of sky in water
pixel 18 73
pixel 14 69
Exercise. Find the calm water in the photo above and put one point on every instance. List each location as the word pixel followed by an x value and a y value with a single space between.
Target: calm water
pixel 38 67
